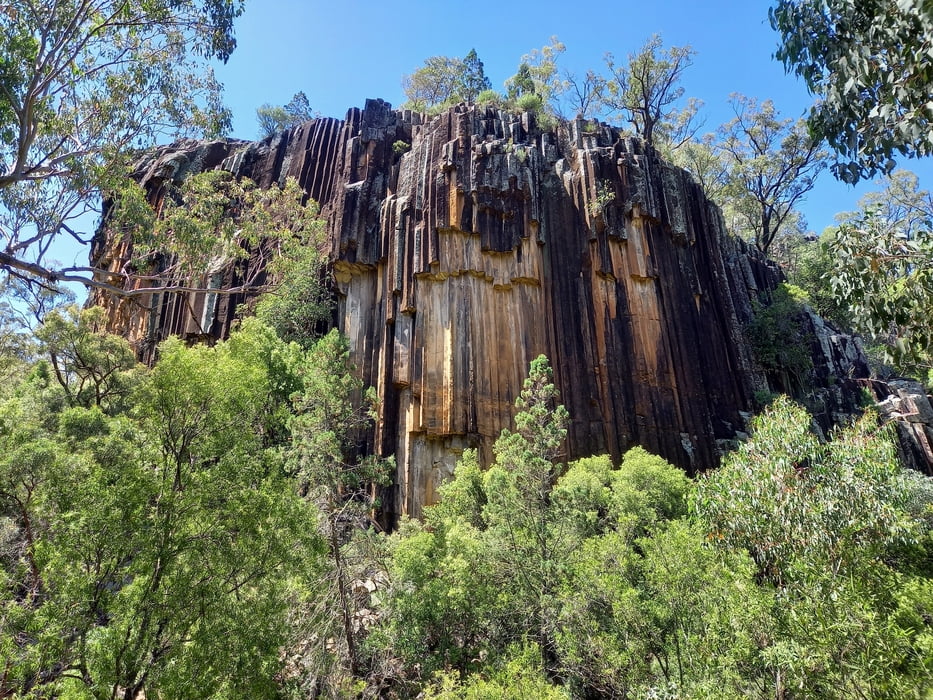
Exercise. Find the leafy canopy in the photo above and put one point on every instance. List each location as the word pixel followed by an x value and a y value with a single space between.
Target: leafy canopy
pixel 772 163
pixel 83 85
pixel 208 222
pixel 150 535
pixel 882 268
pixel 646 91
pixel 273 119
pixel 869 64
pixel 834 538
pixel 443 79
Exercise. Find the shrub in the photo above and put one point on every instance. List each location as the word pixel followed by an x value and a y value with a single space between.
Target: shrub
pixel 489 98
pixel 529 102
pixel 779 339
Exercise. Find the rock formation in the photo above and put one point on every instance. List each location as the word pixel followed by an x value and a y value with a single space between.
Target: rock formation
pixel 466 244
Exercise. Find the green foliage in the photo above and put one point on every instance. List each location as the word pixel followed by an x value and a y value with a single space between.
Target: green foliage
pixel 756 499
pixel 522 83
pixel 153 535
pixel 583 496
pixel 473 81
pixel 801 567
pixel 703 159
pixel 93 367
pixel 594 572
pixel 648 488
pixel 530 102
pixel 444 606
pixel 463 498
pixel 487 569
pixel 445 80
pixel 538 75
pixel 642 615
pixel 868 63
pixel 532 537
pixel 822 523
pixel 777 334
pixel 809 265
pixel 703 607
pixel 83 86
pixel 772 164
pixel 886 281
pixel 519 677
pixel 605 195
pixel 213 220
pixel 490 98
pixel 297 303
pixel 273 119
pixel 881 268
pixel 330 412
pixel 646 90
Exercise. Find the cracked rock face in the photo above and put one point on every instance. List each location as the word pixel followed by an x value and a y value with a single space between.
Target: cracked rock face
pixel 487 242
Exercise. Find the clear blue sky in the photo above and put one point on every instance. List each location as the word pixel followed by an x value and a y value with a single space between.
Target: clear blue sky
pixel 339 54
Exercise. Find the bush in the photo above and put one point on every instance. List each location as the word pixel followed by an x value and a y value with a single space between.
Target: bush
pixel 530 102
pixel 520 677
pixel 777 334
pixel 837 534
pixel 649 487
pixel 489 98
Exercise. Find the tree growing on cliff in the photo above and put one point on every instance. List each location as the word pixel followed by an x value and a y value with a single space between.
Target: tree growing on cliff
pixel 772 164
pixel 646 92
pixel 869 64
pixel 83 85
pixel 473 80
pixel 210 221
pixel 538 75
pixel 443 79
pixel 702 158
pixel 582 94
pixel 273 119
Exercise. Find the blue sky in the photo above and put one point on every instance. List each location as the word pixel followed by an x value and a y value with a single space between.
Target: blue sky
pixel 339 54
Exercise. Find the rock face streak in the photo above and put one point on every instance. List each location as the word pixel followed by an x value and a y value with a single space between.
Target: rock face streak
pixel 465 245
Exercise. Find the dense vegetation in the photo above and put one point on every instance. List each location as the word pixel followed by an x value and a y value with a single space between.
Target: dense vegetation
pixel 205 527
pixel 202 529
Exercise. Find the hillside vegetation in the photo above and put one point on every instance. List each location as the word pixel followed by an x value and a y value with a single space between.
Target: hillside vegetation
pixel 208 527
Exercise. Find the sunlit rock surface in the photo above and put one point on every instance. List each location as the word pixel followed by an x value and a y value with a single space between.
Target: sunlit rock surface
pixel 465 245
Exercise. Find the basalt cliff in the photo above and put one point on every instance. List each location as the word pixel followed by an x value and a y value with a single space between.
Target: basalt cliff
pixel 466 244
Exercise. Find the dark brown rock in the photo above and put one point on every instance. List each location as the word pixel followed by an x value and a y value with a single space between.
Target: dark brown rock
pixel 491 241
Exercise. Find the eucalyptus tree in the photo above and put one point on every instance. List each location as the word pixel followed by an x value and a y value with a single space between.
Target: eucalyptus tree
pixel 827 524
pixel 646 92
pixel 868 63
pixel 772 163
pixel 881 268
pixel 273 119
pixel 85 84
